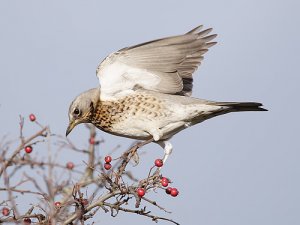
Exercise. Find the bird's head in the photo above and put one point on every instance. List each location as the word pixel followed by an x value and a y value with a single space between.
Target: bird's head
pixel 82 108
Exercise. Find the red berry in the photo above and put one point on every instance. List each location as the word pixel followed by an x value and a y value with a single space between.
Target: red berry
pixel 141 192
pixel 70 165
pixel 27 221
pixel 57 204
pixel 168 190
pixel 174 192
pixel 107 159
pixel 32 117
pixel 107 166
pixel 5 211
pixel 164 183
pixel 28 149
pixel 84 201
pixel 165 179
pixel 158 163
pixel 92 140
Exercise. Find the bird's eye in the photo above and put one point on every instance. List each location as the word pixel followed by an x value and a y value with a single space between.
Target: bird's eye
pixel 76 111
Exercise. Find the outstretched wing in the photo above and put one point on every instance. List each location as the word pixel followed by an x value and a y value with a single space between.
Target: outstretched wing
pixel 165 65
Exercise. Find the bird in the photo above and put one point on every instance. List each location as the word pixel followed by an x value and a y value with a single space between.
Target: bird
pixel 145 91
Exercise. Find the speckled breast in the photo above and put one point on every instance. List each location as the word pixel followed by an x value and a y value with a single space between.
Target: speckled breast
pixel 139 106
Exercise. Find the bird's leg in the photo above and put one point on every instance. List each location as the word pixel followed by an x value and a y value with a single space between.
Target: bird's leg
pixel 156 134
pixel 167 146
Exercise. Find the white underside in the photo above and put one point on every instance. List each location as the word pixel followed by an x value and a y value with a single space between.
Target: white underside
pixel 161 128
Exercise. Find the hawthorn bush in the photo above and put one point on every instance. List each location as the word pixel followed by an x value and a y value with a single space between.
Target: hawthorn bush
pixel 58 192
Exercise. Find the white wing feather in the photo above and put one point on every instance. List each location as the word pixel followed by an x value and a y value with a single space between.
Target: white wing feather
pixel 164 65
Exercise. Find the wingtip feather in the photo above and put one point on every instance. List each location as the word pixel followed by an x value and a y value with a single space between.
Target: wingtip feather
pixel 195 30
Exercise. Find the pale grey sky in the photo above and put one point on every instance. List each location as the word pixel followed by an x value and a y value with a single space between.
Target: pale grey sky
pixel 241 168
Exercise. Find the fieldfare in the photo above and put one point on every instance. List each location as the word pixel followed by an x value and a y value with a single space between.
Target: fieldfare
pixel 145 91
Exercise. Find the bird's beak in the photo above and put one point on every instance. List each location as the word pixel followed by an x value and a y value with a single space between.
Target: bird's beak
pixel 72 124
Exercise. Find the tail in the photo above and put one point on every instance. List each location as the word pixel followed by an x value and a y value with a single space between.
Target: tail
pixel 242 106
pixel 224 108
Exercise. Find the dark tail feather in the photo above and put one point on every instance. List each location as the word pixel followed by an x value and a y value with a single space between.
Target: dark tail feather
pixel 242 106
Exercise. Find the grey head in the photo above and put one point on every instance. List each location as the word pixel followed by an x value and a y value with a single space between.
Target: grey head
pixel 82 107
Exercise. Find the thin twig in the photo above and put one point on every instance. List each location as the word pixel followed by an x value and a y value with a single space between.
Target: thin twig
pixel 19 148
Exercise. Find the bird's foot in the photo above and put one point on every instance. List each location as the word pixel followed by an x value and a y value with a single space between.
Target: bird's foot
pixel 168 148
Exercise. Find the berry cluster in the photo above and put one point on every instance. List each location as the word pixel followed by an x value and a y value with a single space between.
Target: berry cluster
pixel 164 182
pixel 172 191
pixel 107 164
